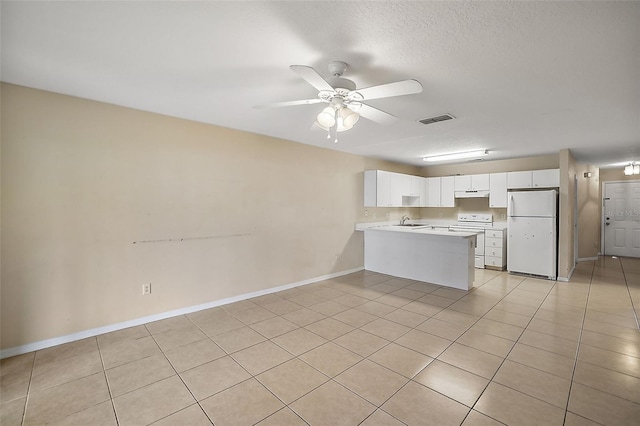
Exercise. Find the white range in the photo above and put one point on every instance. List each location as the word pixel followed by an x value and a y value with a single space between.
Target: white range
pixel 477 223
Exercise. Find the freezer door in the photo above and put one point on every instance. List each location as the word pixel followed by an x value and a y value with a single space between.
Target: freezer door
pixel 532 203
pixel 532 246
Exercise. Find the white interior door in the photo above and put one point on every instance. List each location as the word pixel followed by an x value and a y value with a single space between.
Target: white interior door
pixel 621 218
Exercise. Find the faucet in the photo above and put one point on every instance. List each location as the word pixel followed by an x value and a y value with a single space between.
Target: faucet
pixel 404 219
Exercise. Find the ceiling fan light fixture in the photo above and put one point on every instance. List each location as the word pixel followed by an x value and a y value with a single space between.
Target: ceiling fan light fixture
pixel 327 117
pixel 457 155
pixel 348 117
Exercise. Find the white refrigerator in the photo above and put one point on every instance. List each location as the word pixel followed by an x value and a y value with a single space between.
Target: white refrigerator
pixel 532 242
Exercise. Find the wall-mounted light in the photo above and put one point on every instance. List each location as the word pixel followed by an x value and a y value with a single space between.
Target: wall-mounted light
pixel 588 174
pixel 457 155
pixel 632 169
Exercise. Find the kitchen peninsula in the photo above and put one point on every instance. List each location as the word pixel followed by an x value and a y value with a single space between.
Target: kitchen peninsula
pixel 420 253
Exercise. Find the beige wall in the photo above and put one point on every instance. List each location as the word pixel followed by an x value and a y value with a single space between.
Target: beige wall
pixel 589 211
pixel 615 174
pixel 566 249
pixel 550 161
pixel 98 200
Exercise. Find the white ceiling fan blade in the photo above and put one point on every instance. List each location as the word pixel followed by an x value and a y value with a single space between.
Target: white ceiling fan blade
pixel 290 103
pixel 312 77
pixel 399 88
pixel 376 115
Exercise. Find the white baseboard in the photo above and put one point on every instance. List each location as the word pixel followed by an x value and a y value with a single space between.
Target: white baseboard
pixel 566 279
pixel 42 344
pixel 587 259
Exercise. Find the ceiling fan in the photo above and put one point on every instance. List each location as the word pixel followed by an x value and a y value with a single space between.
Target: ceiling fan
pixel 346 103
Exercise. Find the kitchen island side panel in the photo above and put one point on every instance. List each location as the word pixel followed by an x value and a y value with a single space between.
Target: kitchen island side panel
pixel 446 260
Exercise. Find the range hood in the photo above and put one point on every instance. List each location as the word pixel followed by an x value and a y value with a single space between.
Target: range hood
pixel 472 194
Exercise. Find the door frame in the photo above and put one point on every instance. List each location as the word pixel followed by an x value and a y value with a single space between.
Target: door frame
pixel 602 215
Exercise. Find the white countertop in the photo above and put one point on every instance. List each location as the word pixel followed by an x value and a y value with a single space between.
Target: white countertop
pixel 435 223
pixel 427 230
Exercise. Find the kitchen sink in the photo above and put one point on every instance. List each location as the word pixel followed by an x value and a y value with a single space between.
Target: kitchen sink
pixel 413 224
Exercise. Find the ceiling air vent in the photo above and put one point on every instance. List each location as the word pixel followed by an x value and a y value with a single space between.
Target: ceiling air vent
pixel 432 120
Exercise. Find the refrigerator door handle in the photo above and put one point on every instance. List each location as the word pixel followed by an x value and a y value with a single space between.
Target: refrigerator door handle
pixel 511 205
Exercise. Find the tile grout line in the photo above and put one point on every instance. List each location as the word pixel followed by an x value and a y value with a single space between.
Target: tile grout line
pixel 106 378
pixel 28 396
pixel 635 312
pixel 491 380
pixel 178 374
pixel 575 362
pixel 434 358
pixel 448 346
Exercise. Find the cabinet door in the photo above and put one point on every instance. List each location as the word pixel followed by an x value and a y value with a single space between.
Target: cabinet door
pixel 433 192
pixel 383 189
pixel 371 188
pixel 519 179
pixel 462 183
pixel 546 178
pixel 424 194
pixel 415 187
pixel 447 189
pixel 498 190
pixel 480 182
pixel 395 194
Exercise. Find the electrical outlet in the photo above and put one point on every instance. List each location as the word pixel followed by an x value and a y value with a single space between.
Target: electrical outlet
pixel 366 213
pixel 146 289
pixel 502 216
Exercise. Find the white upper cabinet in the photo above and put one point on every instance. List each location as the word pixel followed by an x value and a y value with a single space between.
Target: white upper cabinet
pixel 546 178
pixel 433 192
pixel 498 190
pixel 447 191
pixel 519 179
pixel 480 182
pixel 467 183
pixel 388 189
pixel 462 183
pixel 534 179
pixel 396 183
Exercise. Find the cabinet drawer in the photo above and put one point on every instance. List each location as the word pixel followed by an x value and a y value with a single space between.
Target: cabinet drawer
pixel 493 234
pixel 493 252
pixel 492 242
pixel 493 261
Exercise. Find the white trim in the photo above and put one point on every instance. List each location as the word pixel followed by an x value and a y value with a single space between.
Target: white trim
pixel 587 259
pixel 42 344
pixel 566 279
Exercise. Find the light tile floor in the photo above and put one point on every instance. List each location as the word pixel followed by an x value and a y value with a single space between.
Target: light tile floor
pixel 364 349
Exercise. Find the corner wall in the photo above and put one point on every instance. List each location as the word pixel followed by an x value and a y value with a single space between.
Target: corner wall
pixel 589 211
pixel 98 200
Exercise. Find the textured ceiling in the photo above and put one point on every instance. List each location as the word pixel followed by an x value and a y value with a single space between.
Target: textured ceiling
pixel 521 78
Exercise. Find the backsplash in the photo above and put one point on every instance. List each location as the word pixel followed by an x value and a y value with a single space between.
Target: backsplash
pixel 463 205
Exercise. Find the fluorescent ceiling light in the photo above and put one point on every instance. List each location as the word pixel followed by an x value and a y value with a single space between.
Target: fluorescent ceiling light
pixel 457 155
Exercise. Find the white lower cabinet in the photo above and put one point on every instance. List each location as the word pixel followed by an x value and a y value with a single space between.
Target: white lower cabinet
pixel 495 249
